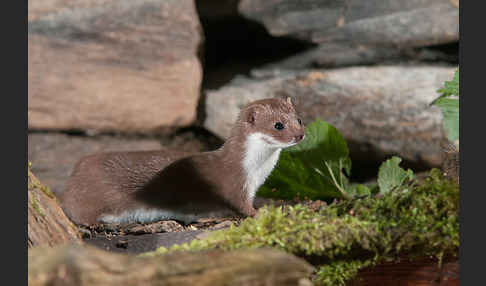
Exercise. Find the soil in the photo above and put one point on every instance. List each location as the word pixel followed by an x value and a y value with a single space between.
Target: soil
pixel 138 238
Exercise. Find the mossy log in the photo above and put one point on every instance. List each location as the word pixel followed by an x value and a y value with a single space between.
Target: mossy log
pixel 422 272
pixel 47 223
pixel 85 265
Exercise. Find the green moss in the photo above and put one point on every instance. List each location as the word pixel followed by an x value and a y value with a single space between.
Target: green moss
pixel 342 238
pixel 35 205
pixel 340 271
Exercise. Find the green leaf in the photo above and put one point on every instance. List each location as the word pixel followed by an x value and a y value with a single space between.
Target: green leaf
pixel 451 88
pixel 392 176
pixel 358 190
pixel 450 112
pixel 448 102
pixel 313 168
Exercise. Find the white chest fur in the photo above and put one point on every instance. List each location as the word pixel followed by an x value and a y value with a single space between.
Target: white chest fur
pixel 259 160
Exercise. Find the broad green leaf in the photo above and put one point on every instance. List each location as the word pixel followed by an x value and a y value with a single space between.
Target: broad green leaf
pixel 313 168
pixel 448 102
pixel 391 175
pixel 450 112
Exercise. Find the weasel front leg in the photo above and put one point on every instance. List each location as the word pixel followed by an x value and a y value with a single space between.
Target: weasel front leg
pixel 248 210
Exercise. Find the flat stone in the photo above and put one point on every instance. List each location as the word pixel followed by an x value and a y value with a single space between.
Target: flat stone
pixel 392 23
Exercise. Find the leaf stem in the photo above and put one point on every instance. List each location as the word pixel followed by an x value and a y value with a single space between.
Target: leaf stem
pixel 346 196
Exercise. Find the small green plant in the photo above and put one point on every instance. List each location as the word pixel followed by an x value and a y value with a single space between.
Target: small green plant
pixel 319 167
pixel 448 102
pixel 391 176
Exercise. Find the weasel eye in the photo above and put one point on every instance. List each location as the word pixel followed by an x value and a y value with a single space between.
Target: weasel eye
pixel 279 126
pixel 300 121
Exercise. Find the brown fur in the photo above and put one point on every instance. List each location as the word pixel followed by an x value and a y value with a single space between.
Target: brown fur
pixel 110 183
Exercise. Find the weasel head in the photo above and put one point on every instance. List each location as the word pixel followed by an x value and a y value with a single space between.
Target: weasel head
pixel 275 120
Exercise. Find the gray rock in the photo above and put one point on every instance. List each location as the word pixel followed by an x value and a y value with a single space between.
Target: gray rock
pixel 330 55
pixel 130 66
pixel 380 110
pixel 395 23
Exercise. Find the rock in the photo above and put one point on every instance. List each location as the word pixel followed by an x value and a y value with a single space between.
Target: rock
pixel 394 23
pixel 380 110
pixel 39 9
pixel 128 66
pixel 74 265
pixel 53 155
pixel 342 55
pixel 47 223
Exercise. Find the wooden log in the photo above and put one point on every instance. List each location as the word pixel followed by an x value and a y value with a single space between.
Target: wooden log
pixel 77 265
pixel 417 272
pixel 47 223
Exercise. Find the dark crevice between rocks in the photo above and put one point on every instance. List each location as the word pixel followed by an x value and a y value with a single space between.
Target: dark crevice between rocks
pixel 450 49
pixel 93 133
pixel 366 169
pixel 235 45
pixel 366 163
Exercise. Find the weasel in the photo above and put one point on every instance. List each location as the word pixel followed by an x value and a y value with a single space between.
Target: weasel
pixel 147 186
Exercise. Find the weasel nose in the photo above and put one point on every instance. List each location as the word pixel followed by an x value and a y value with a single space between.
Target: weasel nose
pixel 299 137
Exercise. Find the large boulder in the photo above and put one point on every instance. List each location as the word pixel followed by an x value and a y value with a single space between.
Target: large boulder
pixel 374 22
pixel 75 265
pixel 380 110
pixel 125 66
pixel 47 223
pixel 357 32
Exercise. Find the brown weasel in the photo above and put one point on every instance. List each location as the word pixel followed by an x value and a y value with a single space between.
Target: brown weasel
pixel 146 186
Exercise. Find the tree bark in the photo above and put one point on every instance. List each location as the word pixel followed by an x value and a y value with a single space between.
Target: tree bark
pixel 422 272
pixel 47 223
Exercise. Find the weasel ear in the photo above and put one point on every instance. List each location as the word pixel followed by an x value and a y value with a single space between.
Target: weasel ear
pixel 251 117
pixel 252 114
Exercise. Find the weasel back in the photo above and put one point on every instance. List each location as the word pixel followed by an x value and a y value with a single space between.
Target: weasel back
pixel 101 183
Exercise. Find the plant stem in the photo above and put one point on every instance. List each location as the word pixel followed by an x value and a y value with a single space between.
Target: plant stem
pixel 346 196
